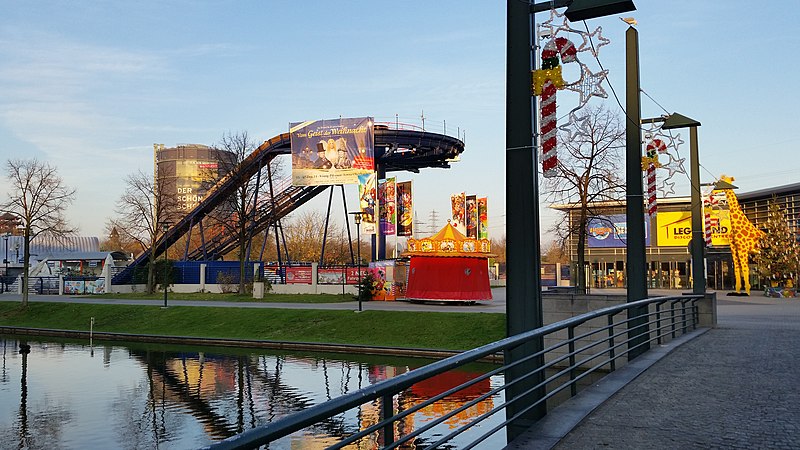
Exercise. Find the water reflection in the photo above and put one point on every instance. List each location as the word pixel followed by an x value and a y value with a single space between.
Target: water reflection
pixel 149 396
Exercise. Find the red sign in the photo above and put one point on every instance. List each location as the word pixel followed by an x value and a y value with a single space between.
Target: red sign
pixel 298 275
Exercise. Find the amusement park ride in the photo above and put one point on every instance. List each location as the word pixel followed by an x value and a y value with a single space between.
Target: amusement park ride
pixel 422 150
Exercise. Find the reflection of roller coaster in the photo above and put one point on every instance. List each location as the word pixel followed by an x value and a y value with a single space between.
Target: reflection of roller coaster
pixel 395 150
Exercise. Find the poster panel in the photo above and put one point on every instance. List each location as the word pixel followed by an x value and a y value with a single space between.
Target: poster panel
pixel 612 231
pixel 335 151
pixel 298 275
pixel 674 229
pixel 405 210
pixel 387 206
pixel 458 208
pixel 367 201
pixel 472 216
pixel 330 276
pixel 483 218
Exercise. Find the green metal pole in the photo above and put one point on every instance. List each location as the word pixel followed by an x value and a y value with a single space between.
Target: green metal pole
pixel 523 285
pixel 636 257
pixel 698 243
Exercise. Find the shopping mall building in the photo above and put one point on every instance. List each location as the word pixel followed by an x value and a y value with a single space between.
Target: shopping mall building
pixel 667 237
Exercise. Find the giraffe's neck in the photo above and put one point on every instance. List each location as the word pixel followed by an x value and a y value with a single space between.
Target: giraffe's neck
pixel 733 202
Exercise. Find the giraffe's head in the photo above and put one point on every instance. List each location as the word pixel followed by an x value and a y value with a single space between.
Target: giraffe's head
pixel 726 178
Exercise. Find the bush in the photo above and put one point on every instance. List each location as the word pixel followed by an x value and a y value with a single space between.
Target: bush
pixel 228 282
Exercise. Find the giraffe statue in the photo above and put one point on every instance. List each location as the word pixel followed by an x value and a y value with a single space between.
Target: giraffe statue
pixel 745 239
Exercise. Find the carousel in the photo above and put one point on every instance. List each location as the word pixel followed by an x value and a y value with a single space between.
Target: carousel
pixel 448 267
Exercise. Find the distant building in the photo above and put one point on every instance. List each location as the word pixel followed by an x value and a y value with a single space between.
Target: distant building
pixel 187 170
pixel 667 237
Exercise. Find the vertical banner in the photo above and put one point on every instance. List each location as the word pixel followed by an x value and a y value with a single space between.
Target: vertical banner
pixel 367 201
pixel 483 219
pixel 405 210
pixel 336 151
pixel 458 204
pixel 387 206
pixel 472 216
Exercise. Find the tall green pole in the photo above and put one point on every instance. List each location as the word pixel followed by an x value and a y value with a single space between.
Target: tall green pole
pixel 523 285
pixel 698 243
pixel 636 257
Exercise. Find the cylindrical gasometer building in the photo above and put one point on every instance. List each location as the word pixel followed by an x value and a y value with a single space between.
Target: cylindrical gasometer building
pixel 188 170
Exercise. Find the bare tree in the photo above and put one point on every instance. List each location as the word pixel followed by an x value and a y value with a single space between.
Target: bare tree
pixel 141 211
pixel 589 168
pixel 236 214
pixel 38 197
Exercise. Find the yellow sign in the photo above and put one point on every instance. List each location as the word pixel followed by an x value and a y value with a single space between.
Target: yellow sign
pixel 674 229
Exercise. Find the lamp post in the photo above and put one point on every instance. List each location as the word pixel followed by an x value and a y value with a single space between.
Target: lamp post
pixel 697 244
pixel 165 227
pixel 523 283
pixel 5 261
pixel 357 219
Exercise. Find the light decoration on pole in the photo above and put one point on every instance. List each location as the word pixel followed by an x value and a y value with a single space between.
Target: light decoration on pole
pixel 650 163
pixel 667 162
pixel 548 79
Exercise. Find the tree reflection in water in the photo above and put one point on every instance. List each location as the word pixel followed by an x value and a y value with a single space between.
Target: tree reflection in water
pixel 143 396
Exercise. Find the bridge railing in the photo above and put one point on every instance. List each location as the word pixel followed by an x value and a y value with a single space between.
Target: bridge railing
pixel 593 343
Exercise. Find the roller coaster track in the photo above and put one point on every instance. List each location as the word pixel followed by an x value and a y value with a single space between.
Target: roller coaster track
pixel 396 149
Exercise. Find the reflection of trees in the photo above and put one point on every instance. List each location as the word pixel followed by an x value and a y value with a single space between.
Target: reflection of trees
pixel 36 426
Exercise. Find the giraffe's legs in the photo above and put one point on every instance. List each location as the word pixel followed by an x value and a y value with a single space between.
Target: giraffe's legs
pixel 745 268
pixel 737 270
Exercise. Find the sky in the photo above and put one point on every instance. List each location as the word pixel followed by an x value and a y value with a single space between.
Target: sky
pixel 90 86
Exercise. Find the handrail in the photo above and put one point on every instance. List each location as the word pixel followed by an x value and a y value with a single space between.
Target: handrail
pixel 388 388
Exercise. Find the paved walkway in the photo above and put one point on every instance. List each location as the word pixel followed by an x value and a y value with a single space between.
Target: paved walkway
pixel 736 386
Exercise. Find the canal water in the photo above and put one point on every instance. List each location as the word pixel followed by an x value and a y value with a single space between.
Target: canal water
pixel 68 394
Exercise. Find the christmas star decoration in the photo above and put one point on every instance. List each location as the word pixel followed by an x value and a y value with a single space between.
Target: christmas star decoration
pixel 667 188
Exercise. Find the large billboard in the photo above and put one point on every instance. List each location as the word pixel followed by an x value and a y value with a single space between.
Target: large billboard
pixel 387 206
pixel 458 209
pixel 483 218
pixel 405 209
pixel 612 231
pixel 674 229
pixel 472 216
pixel 336 151
pixel 368 202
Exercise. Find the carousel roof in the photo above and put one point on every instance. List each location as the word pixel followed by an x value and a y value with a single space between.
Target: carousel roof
pixel 449 242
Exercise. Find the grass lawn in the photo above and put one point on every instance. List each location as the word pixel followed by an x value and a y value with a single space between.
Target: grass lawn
pixel 429 330
pixel 268 298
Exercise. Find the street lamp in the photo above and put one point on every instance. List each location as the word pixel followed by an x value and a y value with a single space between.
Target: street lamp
pixel 523 283
pixel 357 218
pixel 165 227
pixel 697 244
pixel 5 261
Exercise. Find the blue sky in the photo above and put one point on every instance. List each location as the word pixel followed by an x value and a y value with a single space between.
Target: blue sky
pixel 90 86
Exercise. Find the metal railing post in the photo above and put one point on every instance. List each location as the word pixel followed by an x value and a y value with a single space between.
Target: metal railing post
pixel 387 411
pixel 611 351
pixel 573 388
pixel 658 323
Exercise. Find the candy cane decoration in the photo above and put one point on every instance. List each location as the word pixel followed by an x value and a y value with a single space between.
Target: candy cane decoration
pixel 708 203
pixel 650 163
pixel 546 81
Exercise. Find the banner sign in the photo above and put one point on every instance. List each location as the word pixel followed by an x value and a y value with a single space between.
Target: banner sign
pixel 387 206
pixel 367 201
pixel 675 228
pixel 458 206
pixel 472 216
pixel 483 218
pixel 612 231
pixel 405 209
pixel 298 275
pixel 327 152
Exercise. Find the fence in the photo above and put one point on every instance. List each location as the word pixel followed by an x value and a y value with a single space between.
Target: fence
pixel 595 342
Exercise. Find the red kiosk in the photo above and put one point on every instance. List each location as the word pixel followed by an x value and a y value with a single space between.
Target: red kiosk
pixel 448 267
